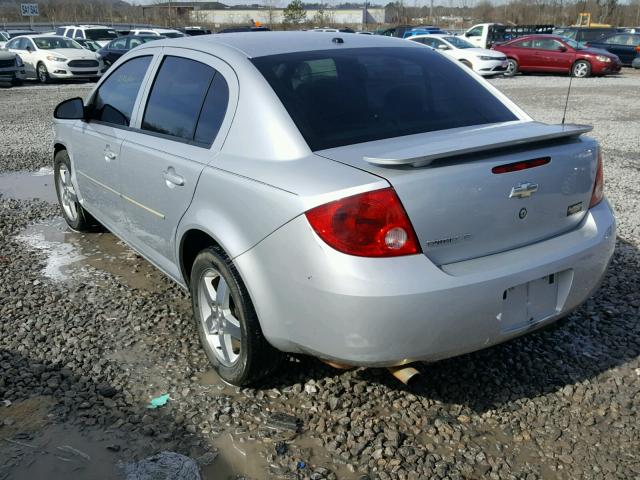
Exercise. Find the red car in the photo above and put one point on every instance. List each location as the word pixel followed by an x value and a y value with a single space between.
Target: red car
pixel 552 53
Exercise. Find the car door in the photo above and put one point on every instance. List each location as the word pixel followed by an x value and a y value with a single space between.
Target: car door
pixel 556 56
pixel 180 128
pixel 97 141
pixel 475 36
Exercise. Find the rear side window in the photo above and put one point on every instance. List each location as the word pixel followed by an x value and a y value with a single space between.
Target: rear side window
pixel 372 94
pixel 188 101
pixel 113 102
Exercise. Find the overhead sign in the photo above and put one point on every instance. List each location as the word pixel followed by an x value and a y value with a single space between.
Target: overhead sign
pixel 29 9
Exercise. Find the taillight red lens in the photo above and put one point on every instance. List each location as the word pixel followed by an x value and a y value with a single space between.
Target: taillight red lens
pixel 598 187
pixel 371 224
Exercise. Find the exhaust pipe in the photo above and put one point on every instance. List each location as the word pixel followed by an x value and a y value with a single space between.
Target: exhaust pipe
pixel 406 374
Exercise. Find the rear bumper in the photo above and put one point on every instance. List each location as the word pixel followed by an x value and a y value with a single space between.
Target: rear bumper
pixel 379 312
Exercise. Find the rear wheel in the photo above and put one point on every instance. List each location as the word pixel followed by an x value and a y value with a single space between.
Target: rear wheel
pixel 227 322
pixel 75 216
pixel 43 73
pixel 512 68
pixel 581 69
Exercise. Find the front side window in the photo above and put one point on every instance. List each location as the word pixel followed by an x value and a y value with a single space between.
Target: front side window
pixel 475 32
pixel 120 44
pixel 113 102
pixel 377 93
pixel 14 44
pixel 177 96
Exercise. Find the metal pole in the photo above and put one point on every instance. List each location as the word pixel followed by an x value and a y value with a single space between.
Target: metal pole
pixel 431 12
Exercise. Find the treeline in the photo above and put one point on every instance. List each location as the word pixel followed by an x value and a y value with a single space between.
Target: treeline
pixel 519 12
pixel 459 13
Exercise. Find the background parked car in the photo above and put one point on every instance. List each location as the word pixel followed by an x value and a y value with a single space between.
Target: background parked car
pixel 98 33
pixel 48 57
pixel 195 31
pixel 423 30
pixel 244 29
pixel 11 68
pixel 482 61
pixel 583 35
pixel 625 45
pixel 554 54
pixel 636 62
pixel 158 32
pixel 118 47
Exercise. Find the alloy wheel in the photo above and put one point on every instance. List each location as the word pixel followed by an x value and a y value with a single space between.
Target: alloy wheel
pixel 68 197
pixel 580 70
pixel 43 75
pixel 219 317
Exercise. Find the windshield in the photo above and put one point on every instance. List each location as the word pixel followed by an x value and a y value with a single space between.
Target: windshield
pixel 459 42
pixel 49 43
pixel 343 97
pixel 100 34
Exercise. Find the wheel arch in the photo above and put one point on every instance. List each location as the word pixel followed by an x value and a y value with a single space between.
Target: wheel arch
pixel 192 242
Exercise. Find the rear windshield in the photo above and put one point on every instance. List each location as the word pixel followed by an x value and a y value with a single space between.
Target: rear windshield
pixel 343 97
pixel 100 34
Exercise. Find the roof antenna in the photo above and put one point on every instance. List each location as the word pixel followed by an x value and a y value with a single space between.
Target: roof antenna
pixel 564 114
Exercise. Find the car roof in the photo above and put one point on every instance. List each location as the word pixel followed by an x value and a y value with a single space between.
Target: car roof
pixel 274 43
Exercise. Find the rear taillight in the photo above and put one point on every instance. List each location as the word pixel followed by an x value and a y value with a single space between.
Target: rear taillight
pixel 598 187
pixel 371 224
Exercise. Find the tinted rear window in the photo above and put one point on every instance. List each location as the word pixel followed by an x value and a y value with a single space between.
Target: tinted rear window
pixel 343 97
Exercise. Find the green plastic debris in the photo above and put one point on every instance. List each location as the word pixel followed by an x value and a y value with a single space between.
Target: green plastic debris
pixel 158 401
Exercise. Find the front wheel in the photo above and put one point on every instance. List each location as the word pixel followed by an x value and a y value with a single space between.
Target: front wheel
pixel 581 69
pixel 512 68
pixel 43 73
pixel 227 323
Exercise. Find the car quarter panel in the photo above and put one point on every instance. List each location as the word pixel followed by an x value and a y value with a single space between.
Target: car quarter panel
pixel 389 311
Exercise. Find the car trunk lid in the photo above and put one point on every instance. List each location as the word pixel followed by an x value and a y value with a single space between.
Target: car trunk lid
pixel 459 208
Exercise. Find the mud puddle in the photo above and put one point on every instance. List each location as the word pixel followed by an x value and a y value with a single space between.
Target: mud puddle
pixel 29 185
pixel 31 447
pixel 72 256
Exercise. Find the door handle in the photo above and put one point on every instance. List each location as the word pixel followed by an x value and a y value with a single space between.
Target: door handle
pixel 172 178
pixel 109 155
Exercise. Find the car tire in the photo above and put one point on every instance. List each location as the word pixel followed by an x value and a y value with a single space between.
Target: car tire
pixel 42 73
pixel 581 69
pixel 223 311
pixel 512 67
pixel 16 83
pixel 74 214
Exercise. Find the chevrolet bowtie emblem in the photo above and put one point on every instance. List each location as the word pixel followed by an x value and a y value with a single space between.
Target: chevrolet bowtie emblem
pixel 523 190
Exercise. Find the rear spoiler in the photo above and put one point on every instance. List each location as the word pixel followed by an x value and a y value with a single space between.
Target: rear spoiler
pixel 464 141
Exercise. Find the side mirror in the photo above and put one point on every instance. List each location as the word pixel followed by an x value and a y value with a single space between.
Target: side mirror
pixel 443 47
pixel 562 48
pixel 72 109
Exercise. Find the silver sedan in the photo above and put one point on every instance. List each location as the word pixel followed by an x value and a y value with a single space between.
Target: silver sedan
pixel 358 198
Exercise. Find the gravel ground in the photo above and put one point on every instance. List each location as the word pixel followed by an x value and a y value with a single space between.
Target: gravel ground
pixel 93 346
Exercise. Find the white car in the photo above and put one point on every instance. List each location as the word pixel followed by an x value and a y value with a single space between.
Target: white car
pixel 98 33
pixel 48 57
pixel 159 32
pixel 482 61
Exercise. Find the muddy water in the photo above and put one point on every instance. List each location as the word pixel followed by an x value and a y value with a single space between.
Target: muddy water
pixel 72 256
pixel 29 185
